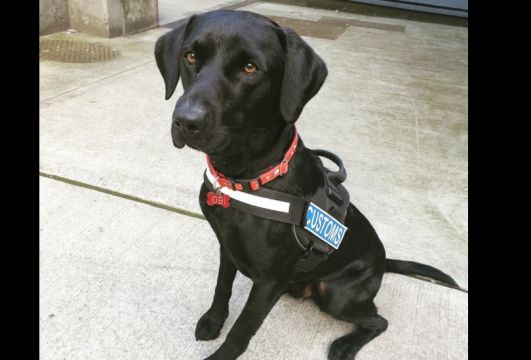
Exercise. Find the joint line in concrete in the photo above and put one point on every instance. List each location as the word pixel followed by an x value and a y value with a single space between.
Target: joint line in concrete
pixel 123 196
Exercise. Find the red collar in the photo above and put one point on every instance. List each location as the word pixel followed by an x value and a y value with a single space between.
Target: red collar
pixel 262 179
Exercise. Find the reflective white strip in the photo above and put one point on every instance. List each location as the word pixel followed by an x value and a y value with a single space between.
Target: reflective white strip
pixel 250 199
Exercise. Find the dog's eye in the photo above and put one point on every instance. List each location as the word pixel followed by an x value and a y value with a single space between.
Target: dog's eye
pixel 249 68
pixel 190 57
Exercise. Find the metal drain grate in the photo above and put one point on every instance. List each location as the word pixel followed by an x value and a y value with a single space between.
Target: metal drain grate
pixel 73 51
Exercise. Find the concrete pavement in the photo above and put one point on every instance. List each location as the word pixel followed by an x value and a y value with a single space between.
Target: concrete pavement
pixel 122 280
pixel 119 279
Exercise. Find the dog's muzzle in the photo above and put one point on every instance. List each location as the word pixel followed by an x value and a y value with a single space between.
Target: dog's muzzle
pixel 189 122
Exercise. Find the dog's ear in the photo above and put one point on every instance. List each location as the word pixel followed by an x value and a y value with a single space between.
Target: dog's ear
pixel 304 74
pixel 168 55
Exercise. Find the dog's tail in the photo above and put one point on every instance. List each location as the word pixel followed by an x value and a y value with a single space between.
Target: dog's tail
pixel 414 268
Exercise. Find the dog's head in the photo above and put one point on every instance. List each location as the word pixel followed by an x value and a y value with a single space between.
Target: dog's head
pixel 241 74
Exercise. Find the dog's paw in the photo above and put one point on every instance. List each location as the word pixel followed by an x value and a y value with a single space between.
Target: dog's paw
pixel 209 326
pixel 227 351
pixel 213 357
pixel 343 349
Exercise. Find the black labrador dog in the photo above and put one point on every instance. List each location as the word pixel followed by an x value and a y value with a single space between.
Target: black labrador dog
pixel 246 80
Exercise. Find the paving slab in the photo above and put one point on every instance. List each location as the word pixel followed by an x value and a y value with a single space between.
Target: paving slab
pixel 59 78
pixel 123 280
pixel 172 10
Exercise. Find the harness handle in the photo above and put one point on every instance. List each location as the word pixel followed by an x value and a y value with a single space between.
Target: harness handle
pixel 336 177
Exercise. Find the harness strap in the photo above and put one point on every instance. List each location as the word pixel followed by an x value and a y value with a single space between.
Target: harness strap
pixel 276 206
pixel 267 203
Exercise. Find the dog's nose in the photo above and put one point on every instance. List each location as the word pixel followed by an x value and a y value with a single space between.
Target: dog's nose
pixel 190 119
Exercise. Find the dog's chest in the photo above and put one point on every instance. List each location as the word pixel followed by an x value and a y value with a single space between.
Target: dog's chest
pixel 258 247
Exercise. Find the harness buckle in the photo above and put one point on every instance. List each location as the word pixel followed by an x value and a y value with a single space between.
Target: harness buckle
pixel 308 251
pixel 283 166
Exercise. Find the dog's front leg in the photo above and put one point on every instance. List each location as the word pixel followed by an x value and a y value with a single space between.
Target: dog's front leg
pixel 261 299
pixel 210 324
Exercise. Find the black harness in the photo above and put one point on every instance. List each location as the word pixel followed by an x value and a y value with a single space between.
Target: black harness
pixel 279 206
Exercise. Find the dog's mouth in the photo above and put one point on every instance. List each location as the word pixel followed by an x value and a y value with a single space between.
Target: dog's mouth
pixel 176 137
pixel 179 141
pixel 221 143
pixel 179 144
pixel 194 139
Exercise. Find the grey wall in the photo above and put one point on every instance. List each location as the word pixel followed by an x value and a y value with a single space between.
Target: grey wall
pixel 106 18
pixel 89 16
pixel 53 16
pixel 139 14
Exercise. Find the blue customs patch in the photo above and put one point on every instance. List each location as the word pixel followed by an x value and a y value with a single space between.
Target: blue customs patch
pixel 324 226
